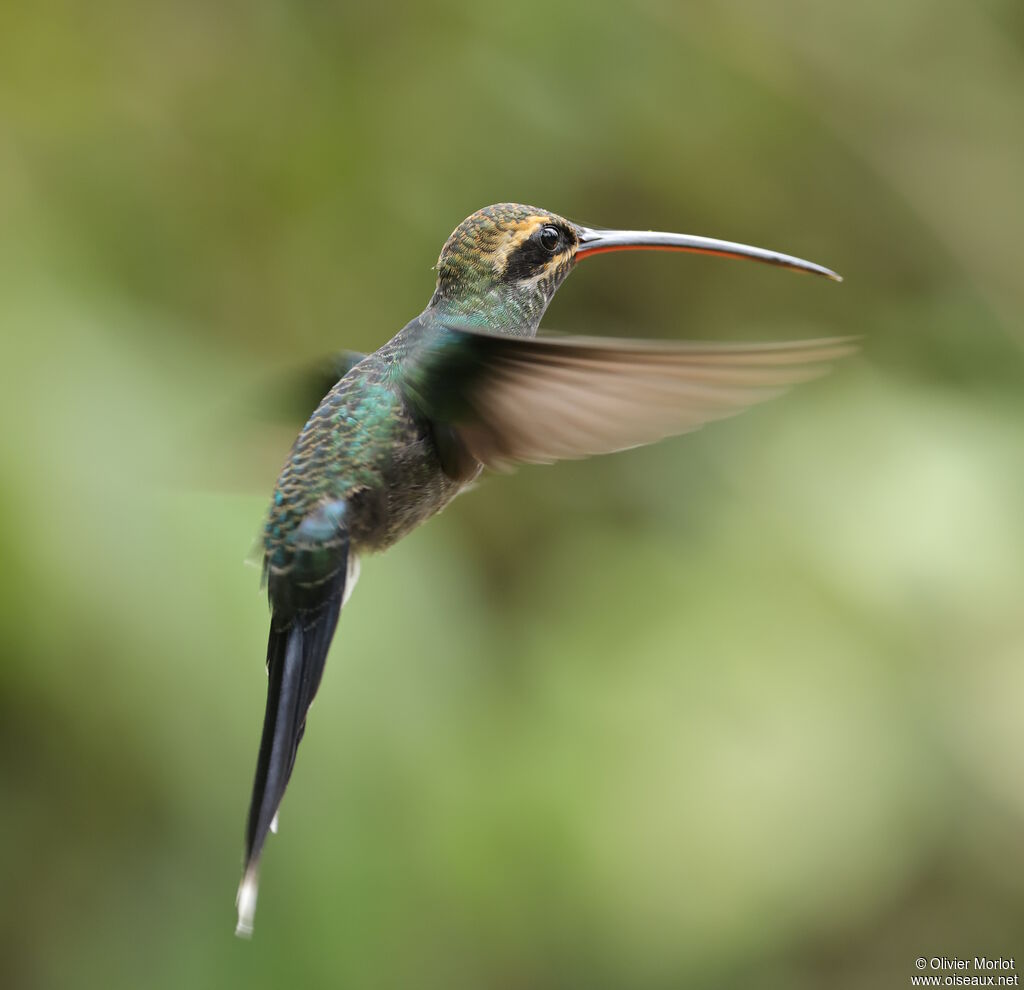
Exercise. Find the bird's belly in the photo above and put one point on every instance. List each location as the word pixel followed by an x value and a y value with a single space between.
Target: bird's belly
pixel 411 488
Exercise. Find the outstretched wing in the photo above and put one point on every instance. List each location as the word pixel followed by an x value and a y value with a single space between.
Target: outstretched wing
pixel 519 399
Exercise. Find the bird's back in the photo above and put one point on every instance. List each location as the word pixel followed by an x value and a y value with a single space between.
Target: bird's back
pixel 367 446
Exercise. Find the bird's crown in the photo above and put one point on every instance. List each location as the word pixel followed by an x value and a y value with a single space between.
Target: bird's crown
pixel 497 241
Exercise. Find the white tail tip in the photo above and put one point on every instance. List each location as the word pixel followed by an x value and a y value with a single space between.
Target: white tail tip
pixel 246 901
pixel 273 823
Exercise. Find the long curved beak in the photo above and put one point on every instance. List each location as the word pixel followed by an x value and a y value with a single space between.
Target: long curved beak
pixel 596 241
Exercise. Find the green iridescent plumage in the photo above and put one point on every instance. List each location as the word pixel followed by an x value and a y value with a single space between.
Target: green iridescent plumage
pixel 366 436
pixel 361 440
pixel 468 385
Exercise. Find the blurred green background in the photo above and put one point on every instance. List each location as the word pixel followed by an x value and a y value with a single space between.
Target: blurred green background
pixel 741 709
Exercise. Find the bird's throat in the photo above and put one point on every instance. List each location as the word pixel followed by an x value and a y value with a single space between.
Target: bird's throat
pixel 515 310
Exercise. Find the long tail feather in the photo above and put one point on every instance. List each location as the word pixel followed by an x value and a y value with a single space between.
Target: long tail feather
pixel 296 653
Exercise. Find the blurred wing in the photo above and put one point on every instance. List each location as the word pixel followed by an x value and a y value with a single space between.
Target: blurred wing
pixel 537 400
pixel 250 427
pixel 292 396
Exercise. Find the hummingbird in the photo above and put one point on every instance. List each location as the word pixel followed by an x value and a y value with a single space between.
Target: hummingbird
pixel 468 385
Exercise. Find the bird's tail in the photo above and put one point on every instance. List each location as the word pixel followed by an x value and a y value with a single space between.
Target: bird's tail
pixel 300 635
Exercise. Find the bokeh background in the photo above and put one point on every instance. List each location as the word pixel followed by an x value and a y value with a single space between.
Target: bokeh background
pixel 741 709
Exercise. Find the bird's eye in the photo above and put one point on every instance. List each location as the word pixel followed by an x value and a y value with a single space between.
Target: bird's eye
pixel 549 238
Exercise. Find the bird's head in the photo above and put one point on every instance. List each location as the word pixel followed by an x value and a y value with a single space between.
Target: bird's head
pixel 502 266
